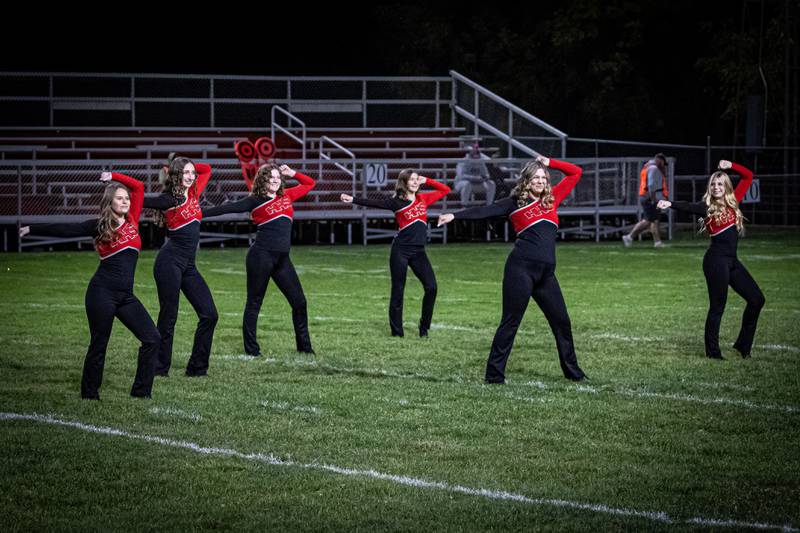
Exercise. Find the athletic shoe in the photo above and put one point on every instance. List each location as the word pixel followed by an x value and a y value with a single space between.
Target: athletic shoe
pixel 627 240
pixel 658 244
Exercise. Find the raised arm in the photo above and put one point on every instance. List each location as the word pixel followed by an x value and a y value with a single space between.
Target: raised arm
pixel 572 174
pixel 136 188
pixel 298 191
pixel 441 190
pixel 203 175
pixel 744 184
pixel 242 206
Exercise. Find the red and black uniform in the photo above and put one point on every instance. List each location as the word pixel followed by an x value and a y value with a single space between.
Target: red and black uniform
pixel 408 250
pixel 110 294
pixel 722 268
pixel 530 272
pixel 269 258
pixel 175 271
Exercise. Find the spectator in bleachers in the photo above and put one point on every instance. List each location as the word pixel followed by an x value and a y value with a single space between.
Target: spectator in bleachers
pixel 472 175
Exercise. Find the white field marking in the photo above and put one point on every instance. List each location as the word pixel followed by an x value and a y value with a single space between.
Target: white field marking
pixel 65 281
pixel 737 523
pixel 761 257
pixel 179 413
pixel 626 338
pixel 709 401
pixel 284 406
pixel 336 318
pixel 471 282
pixel 408 481
pixel 538 384
pixel 243 357
pixel 783 347
pixel 436 326
pixel 226 271
pixel 579 388
pixel 49 306
pixel 403 402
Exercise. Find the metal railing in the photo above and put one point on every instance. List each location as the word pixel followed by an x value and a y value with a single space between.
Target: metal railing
pixel 141 101
pixel 487 111
pixel 274 125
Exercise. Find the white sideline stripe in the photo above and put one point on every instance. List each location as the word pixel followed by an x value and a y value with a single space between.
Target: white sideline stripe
pixel 243 357
pixel 226 271
pixel 542 386
pixel 709 401
pixel 626 338
pixel 778 347
pixel 336 318
pixel 171 411
pixel 490 494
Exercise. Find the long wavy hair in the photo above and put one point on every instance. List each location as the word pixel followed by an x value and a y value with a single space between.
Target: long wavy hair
pixel 718 206
pixel 171 179
pixel 107 224
pixel 263 174
pixel 401 189
pixel 523 190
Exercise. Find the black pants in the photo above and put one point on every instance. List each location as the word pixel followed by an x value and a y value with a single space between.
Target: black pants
pixel 522 280
pixel 402 257
pixel 102 305
pixel 174 273
pixel 261 266
pixel 720 272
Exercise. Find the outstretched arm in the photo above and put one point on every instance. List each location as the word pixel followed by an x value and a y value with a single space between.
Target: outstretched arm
pixel 242 206
pixel 499 208
pixel 87 228
pixel 696 208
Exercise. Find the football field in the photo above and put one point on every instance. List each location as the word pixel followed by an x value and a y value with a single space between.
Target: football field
pixel 381 433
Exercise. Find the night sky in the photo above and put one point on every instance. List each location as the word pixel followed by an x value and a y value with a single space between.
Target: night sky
pixel 620 69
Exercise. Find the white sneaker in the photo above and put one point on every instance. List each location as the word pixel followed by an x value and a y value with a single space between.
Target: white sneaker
pixel 658 244
pixel 627 240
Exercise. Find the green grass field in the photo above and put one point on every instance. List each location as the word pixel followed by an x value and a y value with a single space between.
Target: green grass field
pixel 380 433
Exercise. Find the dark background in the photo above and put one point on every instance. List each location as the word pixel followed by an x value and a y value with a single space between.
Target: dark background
pixel 652 71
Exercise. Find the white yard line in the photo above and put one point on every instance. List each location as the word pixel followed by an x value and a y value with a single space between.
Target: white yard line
pixel 489 494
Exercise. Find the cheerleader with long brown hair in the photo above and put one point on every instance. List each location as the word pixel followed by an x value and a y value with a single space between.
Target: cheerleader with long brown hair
pixel 410 207
pixel 175 270
pixel 722 219
pixel 270 207
pixel 110 291
pixel 530 267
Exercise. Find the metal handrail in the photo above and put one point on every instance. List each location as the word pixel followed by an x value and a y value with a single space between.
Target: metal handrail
pixel 286 131
pixel 512 109
pixel 328 158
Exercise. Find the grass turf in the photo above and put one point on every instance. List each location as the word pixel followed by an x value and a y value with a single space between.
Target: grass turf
pixel 657 429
